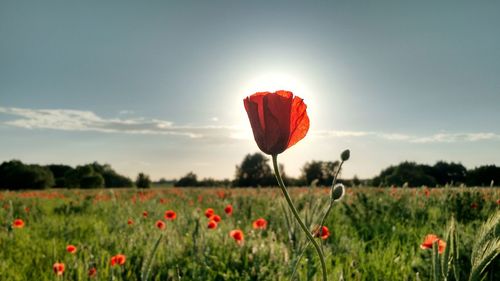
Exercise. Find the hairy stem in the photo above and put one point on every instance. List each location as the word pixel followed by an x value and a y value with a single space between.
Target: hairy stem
pixel 297 217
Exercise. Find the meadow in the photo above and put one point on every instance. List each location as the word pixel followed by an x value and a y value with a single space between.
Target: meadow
pixel 127 234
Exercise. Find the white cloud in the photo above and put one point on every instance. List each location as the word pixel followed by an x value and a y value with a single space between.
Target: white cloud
pixel 80 120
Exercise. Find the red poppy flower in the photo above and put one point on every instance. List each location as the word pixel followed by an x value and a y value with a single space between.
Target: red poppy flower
pixel 129 222
pixel 498 202
pixel 229 209
pixel 18 223
pixel 259 224
pixel 209 212
pixel 170 215
pixel 321 232
pixel 92 272
pixel 473 205
pixel 145 214
pixel 237 235
pixel 71 249
pixel 212 224
pixel 279 120
pixel 118 259
pixel 58 268
pixel 431 239
pixel 215 218
pixel 160 224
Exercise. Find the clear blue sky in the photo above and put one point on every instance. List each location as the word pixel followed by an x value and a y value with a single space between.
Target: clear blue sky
pixel 157 86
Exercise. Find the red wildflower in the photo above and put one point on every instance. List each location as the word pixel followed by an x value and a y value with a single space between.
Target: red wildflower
pixel 215 218
pixel 129 222
pixel 92 272
pixel 212 224
pixel 237 235
pixel 71 249
pixel 321 232
pixel 473 205
pixel 160 224
pixel 431 239
pixel 118 259
pixel 498 202
pixel 58 268
pixel 18 223
pixel 145 214
pixel 259 224
pixel 229 209
pixel 209 212
pixel 279 120
pixel 170 215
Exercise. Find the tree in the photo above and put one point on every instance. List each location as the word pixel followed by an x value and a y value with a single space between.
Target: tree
pixel 143 181
pixel 448 173
pixel 407 172
pixel 111 177
pixel 484 176
pixel 322 171
pixel 59 171
pixel 92 181
pixel 16 175
pixel 190 179
pixel 254 171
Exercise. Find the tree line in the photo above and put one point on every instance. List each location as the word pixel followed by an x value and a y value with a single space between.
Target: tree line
pixel 254 171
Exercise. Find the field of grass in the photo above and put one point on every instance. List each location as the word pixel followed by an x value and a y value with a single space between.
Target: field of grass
pixel 375 234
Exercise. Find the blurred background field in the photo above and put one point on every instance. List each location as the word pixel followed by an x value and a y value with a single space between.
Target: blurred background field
pixel 375 233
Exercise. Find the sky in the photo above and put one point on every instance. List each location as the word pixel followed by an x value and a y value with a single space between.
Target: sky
pixel 158 86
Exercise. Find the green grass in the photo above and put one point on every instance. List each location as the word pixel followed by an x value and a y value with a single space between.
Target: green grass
pixel 375 233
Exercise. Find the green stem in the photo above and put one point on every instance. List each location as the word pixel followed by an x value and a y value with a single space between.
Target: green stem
pixel 330 205
pixel 297 217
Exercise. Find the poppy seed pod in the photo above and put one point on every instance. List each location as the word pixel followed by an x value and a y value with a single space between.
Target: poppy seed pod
pixel 345 155
pixel 338 192
pixel 279 120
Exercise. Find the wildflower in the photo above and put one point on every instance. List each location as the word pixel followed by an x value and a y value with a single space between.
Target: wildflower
pixel 92 272
pixel 209 212
pixel 58 268
pixel 145 214
pixel 279 120
pixel 18 223
pixel 430 239
pixel 215 218
pixel 321 232
pixel 237 235
pixel 259 224
pixel 170 215
pixel 212 224
pixel 160 224
pixel 118 259
pixel 130 222
pixel 229 209
pixel 71 249
pixel 473 205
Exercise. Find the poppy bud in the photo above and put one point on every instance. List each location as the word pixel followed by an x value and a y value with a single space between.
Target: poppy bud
pixel 338 192
pixel 345 155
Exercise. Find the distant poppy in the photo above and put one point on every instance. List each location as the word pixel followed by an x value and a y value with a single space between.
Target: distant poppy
pixel 237 235
pixel 209 212
pixel 229 209
pixel 279 120
pixel 212 224
pixel 18 223
pixel 498 202
pixel 430 239
pixel 92 272
pixel 118 259
pixel 58 268
pixel 321 232
pixel 129 222
pixel 145 214
pixel 259 224
pixel 473 205
pixel 71 249
pixel 170 215
pixel 160 224
pixel 215 218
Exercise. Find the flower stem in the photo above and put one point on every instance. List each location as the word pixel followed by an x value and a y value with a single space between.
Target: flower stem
pixel 297 217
